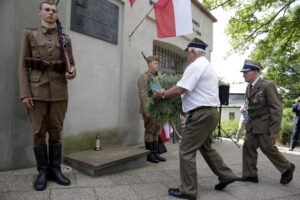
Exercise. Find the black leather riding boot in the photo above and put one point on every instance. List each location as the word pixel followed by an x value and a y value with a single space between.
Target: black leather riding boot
pixel 155 150
pixel 41 157
pixel 150 156
pixel 55 173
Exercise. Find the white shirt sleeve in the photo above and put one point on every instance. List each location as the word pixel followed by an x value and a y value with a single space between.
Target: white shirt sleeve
pixel 190 77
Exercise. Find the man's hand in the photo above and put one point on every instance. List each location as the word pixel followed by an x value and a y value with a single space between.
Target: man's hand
pixel 72 74
pixel 28 102
pixel 158 94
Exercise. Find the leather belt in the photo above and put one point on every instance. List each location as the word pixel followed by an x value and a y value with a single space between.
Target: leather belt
pixel 199 108
pixel 39 64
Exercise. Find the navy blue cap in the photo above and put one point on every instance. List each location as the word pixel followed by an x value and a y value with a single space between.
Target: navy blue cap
pixel 196 45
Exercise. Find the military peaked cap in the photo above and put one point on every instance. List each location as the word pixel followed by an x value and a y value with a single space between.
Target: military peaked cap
pixel 196 45
pixel 251 65
pixel 151 58
pixel 51 2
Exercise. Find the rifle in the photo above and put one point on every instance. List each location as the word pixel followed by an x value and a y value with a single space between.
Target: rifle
pixel 63 43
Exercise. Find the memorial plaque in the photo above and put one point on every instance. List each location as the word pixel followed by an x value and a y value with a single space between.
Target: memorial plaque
pixel 96 18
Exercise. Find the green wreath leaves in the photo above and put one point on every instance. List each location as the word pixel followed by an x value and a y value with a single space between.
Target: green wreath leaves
pixel 164 110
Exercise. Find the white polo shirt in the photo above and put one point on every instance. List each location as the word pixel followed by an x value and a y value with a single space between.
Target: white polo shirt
pixel 201 82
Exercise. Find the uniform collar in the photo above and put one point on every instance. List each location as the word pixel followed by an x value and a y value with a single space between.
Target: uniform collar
pixel 48 30
pixel 254 82
pixel 150 73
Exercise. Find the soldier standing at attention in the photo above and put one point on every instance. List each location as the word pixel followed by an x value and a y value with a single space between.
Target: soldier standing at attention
pixel 199 92
pixel 265 114
pixel 44 92
pixel 151 128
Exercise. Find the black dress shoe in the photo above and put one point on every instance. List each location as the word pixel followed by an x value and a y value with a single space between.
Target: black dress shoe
pixel 159 158
pixel 175 192
pixel 287 176
pixel 253 179
pixel 221 186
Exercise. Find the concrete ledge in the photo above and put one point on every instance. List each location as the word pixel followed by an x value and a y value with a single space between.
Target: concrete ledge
pixel 107 161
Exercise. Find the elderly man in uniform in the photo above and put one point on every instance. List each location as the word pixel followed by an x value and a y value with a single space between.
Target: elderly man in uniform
pixel 44 92
pixel 199 92
pixel 151 128
pixel 265 114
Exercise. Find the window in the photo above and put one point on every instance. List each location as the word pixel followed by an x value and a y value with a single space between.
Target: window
pixel 169 61
pixel 231 116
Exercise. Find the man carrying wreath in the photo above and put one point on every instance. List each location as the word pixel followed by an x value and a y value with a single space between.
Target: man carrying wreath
pixel 198 88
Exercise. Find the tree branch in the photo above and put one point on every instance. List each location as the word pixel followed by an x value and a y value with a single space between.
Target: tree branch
pixel 292 69
pixel 285 11
pixel 268 22
pixel 220 5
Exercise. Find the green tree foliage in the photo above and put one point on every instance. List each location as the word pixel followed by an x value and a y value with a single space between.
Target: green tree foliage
pixel 222 82
pixel 286 127
pixel 271 28
pixel 229 126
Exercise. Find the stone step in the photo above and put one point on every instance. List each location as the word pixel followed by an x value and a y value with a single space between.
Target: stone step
pixel 107 161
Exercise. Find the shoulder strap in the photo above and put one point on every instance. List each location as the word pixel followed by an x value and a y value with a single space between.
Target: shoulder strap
pixel 33 38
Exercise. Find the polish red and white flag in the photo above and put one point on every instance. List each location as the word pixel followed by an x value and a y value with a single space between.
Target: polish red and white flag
pixel 173 18
pixel 131 2
pixel 165 132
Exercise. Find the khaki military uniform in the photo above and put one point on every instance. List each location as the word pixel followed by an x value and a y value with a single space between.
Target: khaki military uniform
pixel 151 128
pixel 47 87
pixel 265 114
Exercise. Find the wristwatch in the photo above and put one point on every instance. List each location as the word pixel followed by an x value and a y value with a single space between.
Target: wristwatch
pixel 163 95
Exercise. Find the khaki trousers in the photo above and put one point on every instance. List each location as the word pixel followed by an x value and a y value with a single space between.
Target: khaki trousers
pixel 198 136
pixel 48 117
pixel 251 144
pixel 151 129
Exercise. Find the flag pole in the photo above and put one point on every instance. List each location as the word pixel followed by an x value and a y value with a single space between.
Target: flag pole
pixel 140 22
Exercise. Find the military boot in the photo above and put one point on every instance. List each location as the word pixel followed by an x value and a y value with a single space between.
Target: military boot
pixel 41 157
pixel 150 156
pixel 155 151
pixel 55 173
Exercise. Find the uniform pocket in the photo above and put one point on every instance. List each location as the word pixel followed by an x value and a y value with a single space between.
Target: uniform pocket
pixel 58 76
pixel 56 53
pixel 35 82
pixel 41 46
pixel 34 49
pixel 35 75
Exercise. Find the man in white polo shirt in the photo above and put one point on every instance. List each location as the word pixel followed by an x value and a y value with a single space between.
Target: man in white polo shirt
pixel 200 98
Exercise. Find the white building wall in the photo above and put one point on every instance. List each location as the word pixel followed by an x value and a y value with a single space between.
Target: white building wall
pixel 104 94
pixel 95 93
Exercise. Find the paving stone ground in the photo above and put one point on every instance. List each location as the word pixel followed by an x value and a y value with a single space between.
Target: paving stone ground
pixel 152 181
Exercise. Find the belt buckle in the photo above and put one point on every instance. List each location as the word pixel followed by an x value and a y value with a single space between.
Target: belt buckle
pixel 51 66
